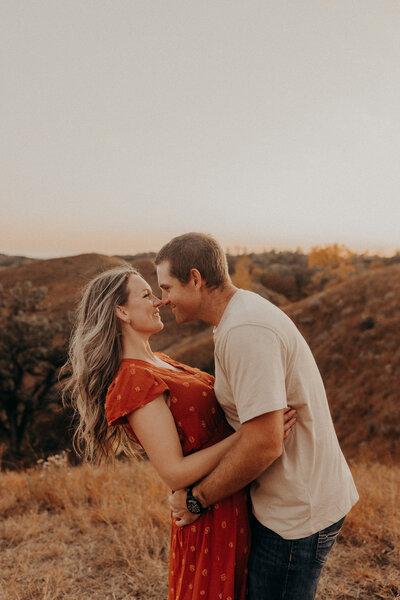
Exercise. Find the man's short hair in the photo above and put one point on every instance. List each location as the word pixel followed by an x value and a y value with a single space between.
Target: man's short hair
pixel 195 251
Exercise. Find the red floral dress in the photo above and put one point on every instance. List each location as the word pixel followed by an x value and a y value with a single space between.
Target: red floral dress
pixel 208 558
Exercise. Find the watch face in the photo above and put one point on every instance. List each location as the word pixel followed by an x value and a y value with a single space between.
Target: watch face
pixel 193 505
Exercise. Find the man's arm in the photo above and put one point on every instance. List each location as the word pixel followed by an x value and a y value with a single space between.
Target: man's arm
pixel 260 443
pixel 254 360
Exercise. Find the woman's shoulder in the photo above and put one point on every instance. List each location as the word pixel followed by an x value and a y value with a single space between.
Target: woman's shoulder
pixel 129 370
pixel 133 386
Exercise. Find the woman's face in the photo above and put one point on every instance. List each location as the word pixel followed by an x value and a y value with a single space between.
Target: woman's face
pixel 141 308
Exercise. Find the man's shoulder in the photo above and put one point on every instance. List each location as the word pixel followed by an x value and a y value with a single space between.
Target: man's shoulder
pixel 250 317
pixel 249 308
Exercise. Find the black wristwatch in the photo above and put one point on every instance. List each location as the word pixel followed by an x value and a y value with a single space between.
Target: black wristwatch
pixel 193 505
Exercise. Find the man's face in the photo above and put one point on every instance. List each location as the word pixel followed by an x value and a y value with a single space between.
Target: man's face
pixel 183 299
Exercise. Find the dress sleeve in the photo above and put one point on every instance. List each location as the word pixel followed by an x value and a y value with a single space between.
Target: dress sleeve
pixel 133 387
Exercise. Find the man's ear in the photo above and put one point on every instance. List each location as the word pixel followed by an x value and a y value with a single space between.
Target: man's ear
pixel 196 277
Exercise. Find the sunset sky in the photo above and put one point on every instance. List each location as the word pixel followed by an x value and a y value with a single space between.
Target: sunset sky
pixel 266 123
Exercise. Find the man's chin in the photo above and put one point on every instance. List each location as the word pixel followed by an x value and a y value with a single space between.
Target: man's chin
pixel 179 318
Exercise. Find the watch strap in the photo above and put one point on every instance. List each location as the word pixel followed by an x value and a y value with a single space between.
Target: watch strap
pixel 192 503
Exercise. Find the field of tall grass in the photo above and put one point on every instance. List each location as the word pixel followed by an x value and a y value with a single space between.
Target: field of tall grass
pixel 85 533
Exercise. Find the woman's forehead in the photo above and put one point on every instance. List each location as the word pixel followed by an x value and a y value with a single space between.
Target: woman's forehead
pixel 137 284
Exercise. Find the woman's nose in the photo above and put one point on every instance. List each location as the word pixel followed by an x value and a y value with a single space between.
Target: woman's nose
pixel 156 301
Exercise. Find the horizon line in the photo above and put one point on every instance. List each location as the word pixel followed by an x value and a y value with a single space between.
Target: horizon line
pixel 237 250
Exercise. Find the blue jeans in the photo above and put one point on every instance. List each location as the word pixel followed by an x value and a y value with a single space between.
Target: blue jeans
pixel 282 569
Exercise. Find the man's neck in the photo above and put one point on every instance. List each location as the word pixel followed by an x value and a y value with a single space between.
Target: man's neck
pixel 215 304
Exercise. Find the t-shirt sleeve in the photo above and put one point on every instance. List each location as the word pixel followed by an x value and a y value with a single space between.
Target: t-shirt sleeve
pixel 133 387
pixel 254 363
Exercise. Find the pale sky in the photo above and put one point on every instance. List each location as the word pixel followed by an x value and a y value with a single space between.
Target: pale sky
pixel 266 123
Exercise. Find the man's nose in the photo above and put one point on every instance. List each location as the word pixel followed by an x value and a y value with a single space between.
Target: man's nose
pixel 164 298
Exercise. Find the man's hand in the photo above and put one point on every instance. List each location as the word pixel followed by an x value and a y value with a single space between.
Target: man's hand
pixel 289 419
pixel 177 501
pixel 180 513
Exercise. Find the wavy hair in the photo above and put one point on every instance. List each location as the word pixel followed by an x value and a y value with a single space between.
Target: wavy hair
pixel 95 353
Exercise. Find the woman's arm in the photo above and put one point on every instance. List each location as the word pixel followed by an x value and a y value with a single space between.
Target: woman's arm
pixel 155 428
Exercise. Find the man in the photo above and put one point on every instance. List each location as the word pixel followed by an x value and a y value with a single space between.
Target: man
pixel 302 488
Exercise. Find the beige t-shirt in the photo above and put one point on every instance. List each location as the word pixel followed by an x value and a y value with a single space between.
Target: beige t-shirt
pixel 262 364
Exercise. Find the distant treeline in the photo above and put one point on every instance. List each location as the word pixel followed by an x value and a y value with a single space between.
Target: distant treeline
pixel 297 275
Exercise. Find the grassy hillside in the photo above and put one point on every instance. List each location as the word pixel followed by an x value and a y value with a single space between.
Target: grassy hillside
pixel 81 533
pixel 353 329
pixel 65 277
pixel 8 261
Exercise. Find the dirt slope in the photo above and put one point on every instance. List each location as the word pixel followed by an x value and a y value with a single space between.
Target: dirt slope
pixel 354 332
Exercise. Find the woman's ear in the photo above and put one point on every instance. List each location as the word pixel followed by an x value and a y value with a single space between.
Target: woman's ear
pixel 121 314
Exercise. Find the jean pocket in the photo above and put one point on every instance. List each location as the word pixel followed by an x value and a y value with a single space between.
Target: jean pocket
pixel 326 539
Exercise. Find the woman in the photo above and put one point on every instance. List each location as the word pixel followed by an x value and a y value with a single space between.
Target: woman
pixel 122 391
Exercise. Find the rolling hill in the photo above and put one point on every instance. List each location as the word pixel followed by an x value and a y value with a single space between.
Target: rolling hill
pixel 65 277
pixel 353 329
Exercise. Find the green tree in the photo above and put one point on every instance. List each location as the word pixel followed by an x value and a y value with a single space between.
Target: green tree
pixel 31 352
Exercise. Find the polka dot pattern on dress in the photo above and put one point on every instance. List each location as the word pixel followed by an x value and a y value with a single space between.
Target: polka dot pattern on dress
pixel 198 567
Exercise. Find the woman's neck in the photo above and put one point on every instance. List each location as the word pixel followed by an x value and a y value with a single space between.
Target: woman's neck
pixel 136 346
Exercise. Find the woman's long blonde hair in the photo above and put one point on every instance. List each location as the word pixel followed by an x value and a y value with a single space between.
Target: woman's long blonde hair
pixel 95 354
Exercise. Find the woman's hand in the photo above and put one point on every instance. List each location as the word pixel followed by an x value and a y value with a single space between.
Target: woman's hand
pixel 180 513
pixel 289 419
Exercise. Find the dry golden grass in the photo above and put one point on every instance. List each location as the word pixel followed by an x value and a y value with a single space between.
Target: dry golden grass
pixel 364 564
pixel 81 533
